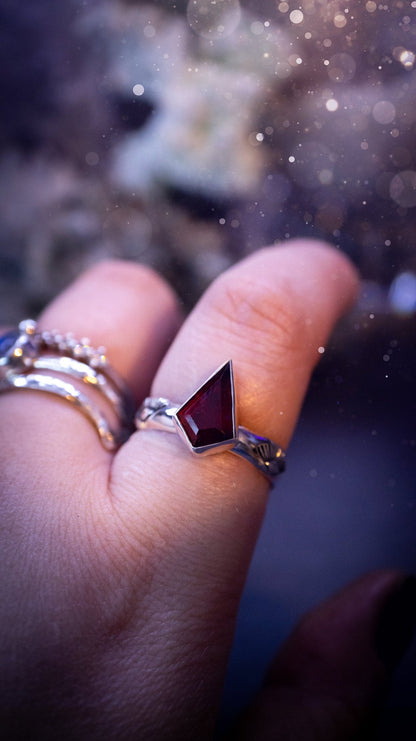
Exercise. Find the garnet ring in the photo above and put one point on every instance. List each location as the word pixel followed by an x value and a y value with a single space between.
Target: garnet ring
pixel 207 423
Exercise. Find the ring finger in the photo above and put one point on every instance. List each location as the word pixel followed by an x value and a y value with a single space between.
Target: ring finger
pixel 134 314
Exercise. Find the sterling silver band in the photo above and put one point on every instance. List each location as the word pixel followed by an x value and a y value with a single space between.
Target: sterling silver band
pixel 26 350
pixel 88 376
pixel 264 454
pixel 67 391
pixel 162 414
pixel 28 346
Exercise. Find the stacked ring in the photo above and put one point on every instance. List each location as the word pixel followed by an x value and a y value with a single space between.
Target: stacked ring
pixel 27 353
pixel 206 421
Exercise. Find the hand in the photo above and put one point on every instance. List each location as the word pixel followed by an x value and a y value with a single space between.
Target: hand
pixel 121 574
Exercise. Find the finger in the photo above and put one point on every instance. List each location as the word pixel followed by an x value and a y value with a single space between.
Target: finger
pixel 125 307
pixel 62 584
pixel 271 314
pixel 194 523
pixel 134 314
pixel 330 679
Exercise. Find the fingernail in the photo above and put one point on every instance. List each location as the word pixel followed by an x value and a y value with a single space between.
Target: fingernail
pixel 397 624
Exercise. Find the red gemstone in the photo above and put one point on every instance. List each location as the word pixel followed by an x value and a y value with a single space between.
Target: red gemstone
pixel 207 418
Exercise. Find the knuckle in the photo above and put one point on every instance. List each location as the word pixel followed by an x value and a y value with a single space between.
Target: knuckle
pixel 258 313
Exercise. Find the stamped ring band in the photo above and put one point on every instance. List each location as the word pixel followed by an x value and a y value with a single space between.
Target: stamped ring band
pixel 207 423
pixel 28 357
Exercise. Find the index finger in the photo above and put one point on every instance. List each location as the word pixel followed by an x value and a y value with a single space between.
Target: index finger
pixel 192 521
pixel 271 313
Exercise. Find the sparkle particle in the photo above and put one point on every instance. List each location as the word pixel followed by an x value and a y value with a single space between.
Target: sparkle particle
pixel 331 105
pixel 296 16
pixel 407 58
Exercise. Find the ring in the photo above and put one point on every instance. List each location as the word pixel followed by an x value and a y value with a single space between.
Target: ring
pixel 36 382
pixel 207 423
pixel 89 376
pixel 25 350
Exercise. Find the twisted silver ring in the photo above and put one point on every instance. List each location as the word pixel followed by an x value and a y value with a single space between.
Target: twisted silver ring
pixel 207 424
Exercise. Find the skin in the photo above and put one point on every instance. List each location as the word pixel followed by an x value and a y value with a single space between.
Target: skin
pixel 123 573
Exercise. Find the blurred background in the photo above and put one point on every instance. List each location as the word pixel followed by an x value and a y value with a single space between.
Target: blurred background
pixel 187 134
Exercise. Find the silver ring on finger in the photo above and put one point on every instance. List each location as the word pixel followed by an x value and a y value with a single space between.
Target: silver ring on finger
pixel 207 423
pixel 25 350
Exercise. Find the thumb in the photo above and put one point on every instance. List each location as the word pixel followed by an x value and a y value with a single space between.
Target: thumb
pixel 330 679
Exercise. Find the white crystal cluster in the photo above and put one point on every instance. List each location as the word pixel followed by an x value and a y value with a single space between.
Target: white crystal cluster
pixel 206 88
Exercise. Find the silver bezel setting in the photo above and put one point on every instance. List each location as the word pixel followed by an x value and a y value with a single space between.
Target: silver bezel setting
pixel 223 445
pixel 158 413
